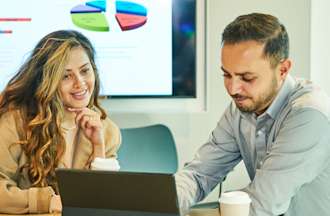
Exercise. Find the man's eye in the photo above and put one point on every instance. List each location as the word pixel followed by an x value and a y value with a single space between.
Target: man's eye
pixel 226 75
pixel 248 79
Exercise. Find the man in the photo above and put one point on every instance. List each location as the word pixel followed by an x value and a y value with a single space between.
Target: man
pixel 277 125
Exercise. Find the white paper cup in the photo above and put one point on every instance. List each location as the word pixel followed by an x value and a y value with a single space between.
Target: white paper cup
pixel 234 203
pixel 109 164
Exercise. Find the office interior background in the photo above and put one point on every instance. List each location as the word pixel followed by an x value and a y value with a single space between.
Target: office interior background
pixel 192 120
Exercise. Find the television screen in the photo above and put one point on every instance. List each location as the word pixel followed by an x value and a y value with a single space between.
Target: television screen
pixel 144 48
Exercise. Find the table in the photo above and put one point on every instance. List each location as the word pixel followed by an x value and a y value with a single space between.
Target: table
pixel 204 212
pixel 194 212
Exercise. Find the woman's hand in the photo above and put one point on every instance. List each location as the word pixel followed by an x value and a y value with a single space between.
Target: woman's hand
pixel 55 204
pixel 90 123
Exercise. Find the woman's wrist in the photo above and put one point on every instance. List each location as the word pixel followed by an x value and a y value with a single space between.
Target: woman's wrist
pixel 99 151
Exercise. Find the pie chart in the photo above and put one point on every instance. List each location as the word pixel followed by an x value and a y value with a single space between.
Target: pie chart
pixel 92 15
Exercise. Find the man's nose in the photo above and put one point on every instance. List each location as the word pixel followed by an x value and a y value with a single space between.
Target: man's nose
pixel 235 86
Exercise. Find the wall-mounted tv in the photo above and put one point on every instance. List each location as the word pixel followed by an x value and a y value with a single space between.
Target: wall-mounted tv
pixel 145 48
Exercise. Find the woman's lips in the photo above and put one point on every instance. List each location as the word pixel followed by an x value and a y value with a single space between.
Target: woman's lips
pixel 79 95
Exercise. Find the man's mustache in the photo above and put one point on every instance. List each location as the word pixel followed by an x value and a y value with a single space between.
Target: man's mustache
pixel 238 96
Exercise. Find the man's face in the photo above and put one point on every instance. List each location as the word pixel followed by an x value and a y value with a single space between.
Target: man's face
pixel 248 76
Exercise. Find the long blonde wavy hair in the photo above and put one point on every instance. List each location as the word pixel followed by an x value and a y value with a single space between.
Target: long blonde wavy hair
pixel 34 92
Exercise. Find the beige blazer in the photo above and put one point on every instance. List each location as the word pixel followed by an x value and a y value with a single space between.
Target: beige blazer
pixel 16 194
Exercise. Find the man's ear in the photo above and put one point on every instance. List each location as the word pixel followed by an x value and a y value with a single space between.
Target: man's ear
pixel 285 66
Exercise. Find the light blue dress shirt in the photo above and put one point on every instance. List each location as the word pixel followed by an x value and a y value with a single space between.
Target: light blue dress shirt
pixel 286 151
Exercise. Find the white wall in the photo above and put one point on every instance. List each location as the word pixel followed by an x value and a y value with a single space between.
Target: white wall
pixel 191 129
pixel 320 45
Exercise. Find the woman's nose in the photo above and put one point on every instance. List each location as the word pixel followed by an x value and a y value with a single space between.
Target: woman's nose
pixel 80 81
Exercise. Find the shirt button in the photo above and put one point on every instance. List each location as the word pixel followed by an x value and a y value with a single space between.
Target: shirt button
pixel 260 132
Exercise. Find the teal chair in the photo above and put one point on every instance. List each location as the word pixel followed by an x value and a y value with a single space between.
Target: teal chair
pixel 148 149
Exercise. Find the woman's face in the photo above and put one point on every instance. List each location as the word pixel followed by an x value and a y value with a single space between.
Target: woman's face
pixel 77 84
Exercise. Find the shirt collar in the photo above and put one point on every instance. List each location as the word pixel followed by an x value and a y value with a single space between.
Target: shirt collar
pixel 282 96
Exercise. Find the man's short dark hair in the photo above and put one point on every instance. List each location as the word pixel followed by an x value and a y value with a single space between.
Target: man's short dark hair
pixel 262 28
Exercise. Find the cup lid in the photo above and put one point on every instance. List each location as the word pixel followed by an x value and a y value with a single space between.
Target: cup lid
pixel 235 197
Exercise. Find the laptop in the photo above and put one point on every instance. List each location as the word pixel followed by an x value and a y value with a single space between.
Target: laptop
pixel 113 193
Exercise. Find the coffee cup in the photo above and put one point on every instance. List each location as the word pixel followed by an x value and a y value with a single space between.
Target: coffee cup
pixel 234 203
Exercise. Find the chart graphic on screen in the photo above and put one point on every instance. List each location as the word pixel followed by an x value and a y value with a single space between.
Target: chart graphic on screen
pixel 144 48
pixel 92 15
pixel 11 20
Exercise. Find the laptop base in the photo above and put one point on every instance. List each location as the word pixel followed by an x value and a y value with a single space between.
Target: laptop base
pixel 75 211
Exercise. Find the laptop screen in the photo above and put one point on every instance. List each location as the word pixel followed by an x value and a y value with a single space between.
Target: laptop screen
pixel 118 191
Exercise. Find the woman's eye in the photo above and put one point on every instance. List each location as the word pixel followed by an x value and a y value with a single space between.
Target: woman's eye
pixel 85 71
pixel 66 76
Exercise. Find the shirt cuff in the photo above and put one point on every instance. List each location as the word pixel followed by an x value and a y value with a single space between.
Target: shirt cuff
pixel 109 164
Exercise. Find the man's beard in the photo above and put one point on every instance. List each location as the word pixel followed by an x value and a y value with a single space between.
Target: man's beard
pixel 262 102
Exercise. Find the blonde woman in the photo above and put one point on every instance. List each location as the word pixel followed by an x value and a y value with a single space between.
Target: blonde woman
pixel 50 117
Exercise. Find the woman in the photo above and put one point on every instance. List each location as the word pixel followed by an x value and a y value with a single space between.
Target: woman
pixel 50 117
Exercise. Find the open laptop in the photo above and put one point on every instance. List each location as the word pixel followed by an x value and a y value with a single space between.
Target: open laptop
pixel 113 193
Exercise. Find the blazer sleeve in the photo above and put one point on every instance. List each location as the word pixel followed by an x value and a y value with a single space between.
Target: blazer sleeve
pixel 112 138
pixel 13 199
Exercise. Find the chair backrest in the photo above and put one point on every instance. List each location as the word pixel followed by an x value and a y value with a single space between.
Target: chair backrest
pixel 148 149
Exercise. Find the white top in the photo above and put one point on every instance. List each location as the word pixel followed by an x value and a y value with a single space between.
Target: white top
pixel 110 164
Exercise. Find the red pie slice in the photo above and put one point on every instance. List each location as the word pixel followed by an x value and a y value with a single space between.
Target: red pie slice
pixel 130 21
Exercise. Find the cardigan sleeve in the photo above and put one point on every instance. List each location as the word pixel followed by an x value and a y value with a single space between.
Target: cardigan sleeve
pixel 112 138
pixel 13 199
